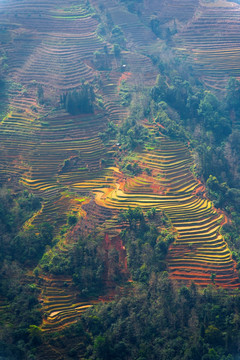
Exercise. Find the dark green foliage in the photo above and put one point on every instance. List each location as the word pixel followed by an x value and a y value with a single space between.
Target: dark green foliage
pixel 117 50
pixel 186 112
pixel 218 192
pixel 101 29
pixel 162 30
pixel 132 5
pixel 210 113
pixel 28 246
pixel 88 265
pixel 79 102
pixel 125 94
pixel 159 321
pixel 40 94
pixel 21 316
pixel 132 134
pixel 117 36
pixel 14 211
pixel 169 127
pixel 160 91
pixel 85 262
pixel 146 246
pixel 155 26
pixel 131 169
pixel 72 220
pixel 101 59
pixel 233 97
pixel 19 248
pixel 110 132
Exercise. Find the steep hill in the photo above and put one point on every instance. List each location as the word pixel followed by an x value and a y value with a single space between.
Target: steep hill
pixel 53 51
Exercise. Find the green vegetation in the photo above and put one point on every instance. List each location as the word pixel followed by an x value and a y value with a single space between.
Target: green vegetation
pixel 84 262
pixel 185 324
pixel 79 102
pixel 117 36
pixel 125 93
pixel 117 209
pixel 132 134
pixel 146 245
pixel 20 315
pixel 25 247
pixel 187 112
pixel 18 250
pixel 40 94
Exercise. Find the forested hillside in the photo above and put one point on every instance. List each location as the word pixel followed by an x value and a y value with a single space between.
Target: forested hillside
pixel 119 179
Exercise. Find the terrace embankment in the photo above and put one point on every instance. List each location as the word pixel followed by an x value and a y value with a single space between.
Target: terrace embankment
pixel 212 38
pixel 61 303
pixel 199 253
pixel 52 45
pixel 61 157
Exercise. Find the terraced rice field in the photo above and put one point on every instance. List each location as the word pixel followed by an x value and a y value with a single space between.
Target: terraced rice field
pixel 52 44
pixel 58 43
pixel 212 39
pixel 169 10
pixel 200 249
pixel 62 305
pixel 58 156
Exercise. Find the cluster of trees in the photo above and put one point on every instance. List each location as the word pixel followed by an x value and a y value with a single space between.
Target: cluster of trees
pixel 132 134
pixel 117 36
pixel 40 94
pixel 125 94
pixel 114 35
pixel 109 133
pixel 17 245
pixel 146 245
pixel 87 262
pixel 130 168
pixel 84 262
pixel 157 320
pixel 210 123
pixel 19 249
pixel 161 321
pixel 24 246
pixel 161 30
pixel 188 112
pixel 132 5
pixel 102 59
pixel 20 315
pixel 28 246
pixel 222 195
pixel 79 101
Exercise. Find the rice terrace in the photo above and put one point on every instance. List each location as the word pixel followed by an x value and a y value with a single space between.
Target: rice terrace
pixel 119 179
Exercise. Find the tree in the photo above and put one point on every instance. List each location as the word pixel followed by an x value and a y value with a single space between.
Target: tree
pixel 79 102
pixel 117 36
pixel 213 276
pixel 35 334
pixel 117 50
pixel 40 94
pixel 101 348
pixel 213 335
pixel 208 109
pixel 233 95
pixel 212 116
pixel 72 220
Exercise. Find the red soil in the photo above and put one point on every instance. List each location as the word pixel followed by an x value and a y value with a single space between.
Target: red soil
pixel 201 189
pixel 125 76
pixel 116 243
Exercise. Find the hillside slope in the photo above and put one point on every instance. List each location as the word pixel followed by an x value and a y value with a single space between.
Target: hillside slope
pixel 55 48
